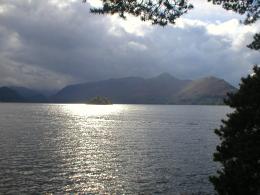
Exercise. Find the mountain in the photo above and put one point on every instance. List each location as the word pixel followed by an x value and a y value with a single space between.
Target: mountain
pixel 29 95
pixel 20 94
pixel 209 90
pixel 163 89
pixel 9 95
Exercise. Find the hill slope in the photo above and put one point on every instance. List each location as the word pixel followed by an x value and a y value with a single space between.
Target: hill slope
pixel 29 95
pixel 20 94
pixel 9 95
pixel 163 89
pixel 209 90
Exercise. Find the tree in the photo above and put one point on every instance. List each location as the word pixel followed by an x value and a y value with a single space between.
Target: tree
pixel 256 43
pixel 248 7
pixel 163 12
pixel 239 150
pixel 159 12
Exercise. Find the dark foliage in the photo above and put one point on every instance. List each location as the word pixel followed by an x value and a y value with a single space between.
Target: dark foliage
pixel 100 101
pixel 256 43
pixel 239 151
pixel 163 12
pixel 248 7
pixel 159 12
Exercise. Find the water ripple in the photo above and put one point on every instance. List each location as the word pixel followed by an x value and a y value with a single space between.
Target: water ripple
pixel 115 149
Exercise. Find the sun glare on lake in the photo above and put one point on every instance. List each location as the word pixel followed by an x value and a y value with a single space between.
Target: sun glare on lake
pixel 93 110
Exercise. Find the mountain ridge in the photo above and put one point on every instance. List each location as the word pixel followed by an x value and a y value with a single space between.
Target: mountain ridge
pixel 162 89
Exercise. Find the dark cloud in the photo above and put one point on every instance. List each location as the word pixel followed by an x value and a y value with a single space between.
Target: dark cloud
pixel 49 44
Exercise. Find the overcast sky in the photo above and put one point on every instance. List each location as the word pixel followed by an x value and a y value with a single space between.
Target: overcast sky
pixel 48 44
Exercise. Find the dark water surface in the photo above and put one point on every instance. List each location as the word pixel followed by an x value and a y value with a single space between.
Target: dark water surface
pixel 111 149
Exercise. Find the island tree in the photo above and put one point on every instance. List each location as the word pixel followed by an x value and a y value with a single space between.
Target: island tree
pixel 239 150
pixel 99 100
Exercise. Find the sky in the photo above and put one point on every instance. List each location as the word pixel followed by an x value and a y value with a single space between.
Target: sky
pixel 48 44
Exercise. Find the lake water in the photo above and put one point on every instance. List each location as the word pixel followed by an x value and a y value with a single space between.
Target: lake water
pixel 110 149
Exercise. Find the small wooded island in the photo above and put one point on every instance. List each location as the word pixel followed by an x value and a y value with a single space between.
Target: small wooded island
pixel 100 101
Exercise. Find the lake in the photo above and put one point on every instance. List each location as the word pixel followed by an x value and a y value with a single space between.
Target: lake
pixel 107 149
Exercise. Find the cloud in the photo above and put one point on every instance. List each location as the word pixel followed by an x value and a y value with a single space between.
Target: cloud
pixel 231 30
pixel 50 44
pixel 131 26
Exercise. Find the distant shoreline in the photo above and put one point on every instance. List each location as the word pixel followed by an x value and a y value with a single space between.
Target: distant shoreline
pixel 111 104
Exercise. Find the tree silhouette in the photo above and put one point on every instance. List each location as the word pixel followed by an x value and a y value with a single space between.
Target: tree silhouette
pixel 248 7
pixel 239 151
pixel 159 12
pixel 256 43
pixel 163 12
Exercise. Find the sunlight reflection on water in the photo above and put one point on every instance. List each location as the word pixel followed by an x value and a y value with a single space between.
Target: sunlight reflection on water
pixel 93 110
pixel 93 159
pixel 113 149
